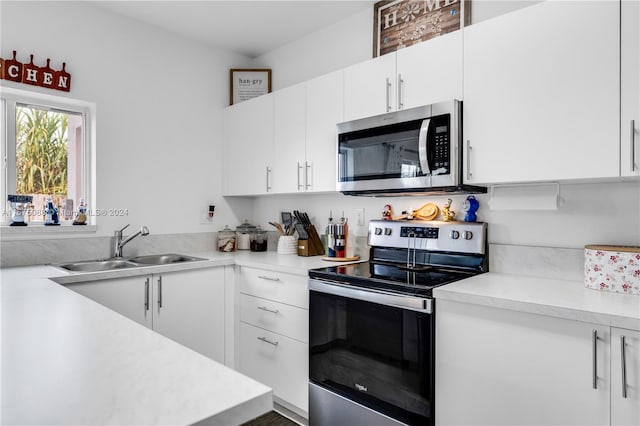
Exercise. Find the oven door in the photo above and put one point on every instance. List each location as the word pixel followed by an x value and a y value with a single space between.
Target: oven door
pixel 370 354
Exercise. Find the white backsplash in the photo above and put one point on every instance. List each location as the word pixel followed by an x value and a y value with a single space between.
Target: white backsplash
pixel 543 262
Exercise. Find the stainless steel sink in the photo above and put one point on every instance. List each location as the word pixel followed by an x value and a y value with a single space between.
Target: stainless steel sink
pixel 98 265
pixel 163 259
pixel 133 262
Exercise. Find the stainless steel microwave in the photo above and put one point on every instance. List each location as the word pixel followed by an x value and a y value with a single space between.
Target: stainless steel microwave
pixel 416 151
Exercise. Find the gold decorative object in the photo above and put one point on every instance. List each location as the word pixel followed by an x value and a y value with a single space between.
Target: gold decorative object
pixel 449 215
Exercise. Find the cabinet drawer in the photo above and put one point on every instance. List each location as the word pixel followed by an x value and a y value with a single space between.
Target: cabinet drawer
pixel 284 319
pixel 277 361
pixel 276 286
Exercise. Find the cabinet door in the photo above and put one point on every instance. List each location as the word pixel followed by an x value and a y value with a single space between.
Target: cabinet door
pixel 370 87
pixel 248 144
pixel 630 85
pixel 130 297
pixel 188 307
pixel 430 71
pixel 501 367
pixel 289 139
pixel 625 408
pixel 541 93
pixel 325 109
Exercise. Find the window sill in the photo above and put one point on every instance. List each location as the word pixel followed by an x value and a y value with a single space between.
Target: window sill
pixel 10 232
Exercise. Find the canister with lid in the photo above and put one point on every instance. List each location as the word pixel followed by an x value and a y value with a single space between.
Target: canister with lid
pixel 243 233
pixel 258 239
pixel 226 239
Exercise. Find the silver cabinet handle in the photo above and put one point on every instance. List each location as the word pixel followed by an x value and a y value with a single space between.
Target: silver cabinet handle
pixel 264 308
pixel 264 339
pixel 469 174
pixel 388 93
pixel 300 186
pixel 146 294
pixel 264 277
pixel 268 178
pixel 308 183
pixel 400 87
pixel 159 292
pixel 623 362
pixel 594 340
pixel 633 145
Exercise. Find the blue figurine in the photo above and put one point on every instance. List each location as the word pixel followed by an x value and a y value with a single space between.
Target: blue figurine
pixel 51 214
pixel 471 205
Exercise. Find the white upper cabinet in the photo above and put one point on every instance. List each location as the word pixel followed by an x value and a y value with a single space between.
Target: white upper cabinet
pixel 325 105
pixel 248 146
pixel 430 72
pixel 541 94
pixel 630 85
pixel 305 118
pixel 422 74
pixel 370 87
pixel 289 139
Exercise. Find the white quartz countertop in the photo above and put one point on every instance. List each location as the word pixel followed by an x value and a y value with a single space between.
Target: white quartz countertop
pixel 558 298
pixel 68 360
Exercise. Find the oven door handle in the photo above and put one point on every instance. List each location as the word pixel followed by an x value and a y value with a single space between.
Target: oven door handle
pixel 413 303
pixel 422 147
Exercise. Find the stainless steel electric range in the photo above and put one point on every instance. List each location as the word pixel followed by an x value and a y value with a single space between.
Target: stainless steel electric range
pixel 372 324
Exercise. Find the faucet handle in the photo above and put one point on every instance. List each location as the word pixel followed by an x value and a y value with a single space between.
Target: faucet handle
pixel 125 227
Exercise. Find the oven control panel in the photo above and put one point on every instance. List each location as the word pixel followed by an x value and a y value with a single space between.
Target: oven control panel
pixel 461 237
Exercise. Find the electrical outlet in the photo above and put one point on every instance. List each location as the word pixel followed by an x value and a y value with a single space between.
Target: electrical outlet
pixel 205 218
pixel 359 217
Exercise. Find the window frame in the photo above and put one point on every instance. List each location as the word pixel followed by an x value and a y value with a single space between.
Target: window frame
pixel 9 98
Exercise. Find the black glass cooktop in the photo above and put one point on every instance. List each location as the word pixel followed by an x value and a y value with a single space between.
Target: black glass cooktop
pixel 396 278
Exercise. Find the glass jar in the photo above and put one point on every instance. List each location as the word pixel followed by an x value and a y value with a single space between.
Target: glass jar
pixel 226 239
pixel 258 240
pixel 243 235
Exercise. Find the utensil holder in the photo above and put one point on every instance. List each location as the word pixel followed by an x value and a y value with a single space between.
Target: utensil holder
pixel 287 244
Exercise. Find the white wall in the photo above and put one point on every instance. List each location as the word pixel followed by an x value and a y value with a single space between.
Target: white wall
pixel 344 43
pixel 159 108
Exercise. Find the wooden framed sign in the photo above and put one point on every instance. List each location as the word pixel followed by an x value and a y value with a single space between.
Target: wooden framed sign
pixel 248 83
pixel 402 23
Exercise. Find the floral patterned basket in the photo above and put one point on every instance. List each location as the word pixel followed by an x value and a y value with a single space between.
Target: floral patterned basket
pixel 612 268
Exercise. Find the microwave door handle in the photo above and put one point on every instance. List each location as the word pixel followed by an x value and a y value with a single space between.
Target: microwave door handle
pixel 422 147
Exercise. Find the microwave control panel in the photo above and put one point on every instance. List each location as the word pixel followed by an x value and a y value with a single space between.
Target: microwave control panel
pixel 441 145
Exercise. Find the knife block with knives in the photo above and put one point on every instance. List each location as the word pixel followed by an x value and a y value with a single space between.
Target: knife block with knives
pixel 309 242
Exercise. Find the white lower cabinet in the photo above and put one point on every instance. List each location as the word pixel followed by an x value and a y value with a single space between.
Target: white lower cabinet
pixel 502 367
pixel 273 333
pixel 187 306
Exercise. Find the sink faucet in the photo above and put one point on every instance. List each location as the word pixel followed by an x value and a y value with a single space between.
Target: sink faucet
pixel 119 242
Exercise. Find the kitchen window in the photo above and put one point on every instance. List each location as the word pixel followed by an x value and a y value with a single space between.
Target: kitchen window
pixel 47 146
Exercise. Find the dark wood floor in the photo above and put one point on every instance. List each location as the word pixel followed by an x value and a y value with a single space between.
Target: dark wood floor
pixel 271 419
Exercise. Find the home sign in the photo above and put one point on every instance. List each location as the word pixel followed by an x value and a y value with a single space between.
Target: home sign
pixel 14 70
pixel 402 23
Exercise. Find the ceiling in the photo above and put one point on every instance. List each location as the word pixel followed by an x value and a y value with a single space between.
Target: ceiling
pixel 248 27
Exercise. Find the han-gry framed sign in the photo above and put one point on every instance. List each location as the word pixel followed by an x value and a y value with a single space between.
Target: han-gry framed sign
pixel 403 23
pixel 245 83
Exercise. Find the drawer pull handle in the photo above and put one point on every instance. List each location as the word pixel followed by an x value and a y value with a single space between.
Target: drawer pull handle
pixel 264 308
pixel 264 277
pixel 264 339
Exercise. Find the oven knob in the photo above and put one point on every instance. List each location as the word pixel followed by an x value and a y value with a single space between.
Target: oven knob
pixel 378 231
pixel 468 235
pixel 454 235
pixel 387 231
